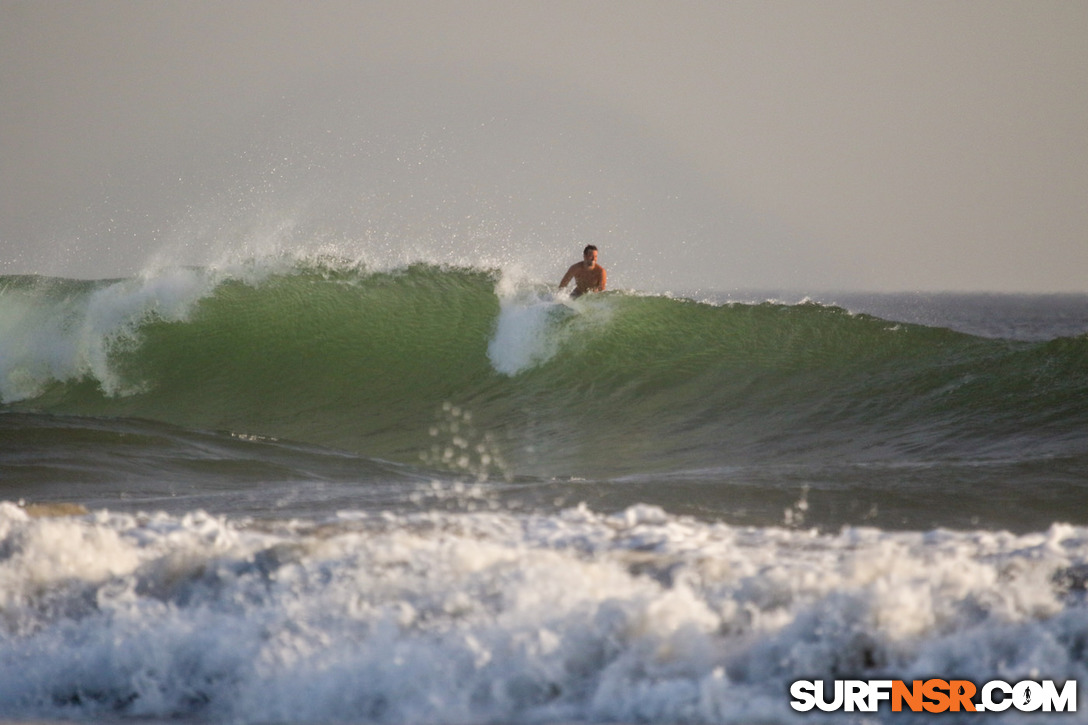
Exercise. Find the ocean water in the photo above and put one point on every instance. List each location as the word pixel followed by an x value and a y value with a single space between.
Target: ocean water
pixel 310 491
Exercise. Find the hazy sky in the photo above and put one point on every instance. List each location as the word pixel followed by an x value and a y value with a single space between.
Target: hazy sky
pixel 812 145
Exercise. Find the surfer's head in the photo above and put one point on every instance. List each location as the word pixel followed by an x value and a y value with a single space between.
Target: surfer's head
pixel 589 254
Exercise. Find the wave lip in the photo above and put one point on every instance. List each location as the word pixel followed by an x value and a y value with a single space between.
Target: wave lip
pixel 64 330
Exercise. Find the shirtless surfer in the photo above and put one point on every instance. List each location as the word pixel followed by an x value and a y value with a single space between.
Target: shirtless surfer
pixel 588 276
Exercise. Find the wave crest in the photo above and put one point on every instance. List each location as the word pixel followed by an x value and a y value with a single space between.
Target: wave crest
pixel 341 356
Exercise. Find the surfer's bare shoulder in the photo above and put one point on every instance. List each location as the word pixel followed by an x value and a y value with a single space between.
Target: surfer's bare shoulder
pixel 572 271
pixel 588 276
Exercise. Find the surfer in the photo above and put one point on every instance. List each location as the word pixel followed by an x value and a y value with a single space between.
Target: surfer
pixel 588 276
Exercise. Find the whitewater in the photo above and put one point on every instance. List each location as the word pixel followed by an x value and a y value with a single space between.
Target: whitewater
pixel 311 490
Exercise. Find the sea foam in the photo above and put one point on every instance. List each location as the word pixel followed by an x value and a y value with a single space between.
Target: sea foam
pixel 535 322
pixel 483 617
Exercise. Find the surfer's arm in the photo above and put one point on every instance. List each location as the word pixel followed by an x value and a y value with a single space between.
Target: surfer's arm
pixel 604 280
pixel 568 276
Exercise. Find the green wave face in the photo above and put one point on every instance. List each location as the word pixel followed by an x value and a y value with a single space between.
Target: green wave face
pixel 457 367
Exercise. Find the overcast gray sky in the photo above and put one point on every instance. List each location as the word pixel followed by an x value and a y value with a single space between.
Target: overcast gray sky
pixel 811 145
